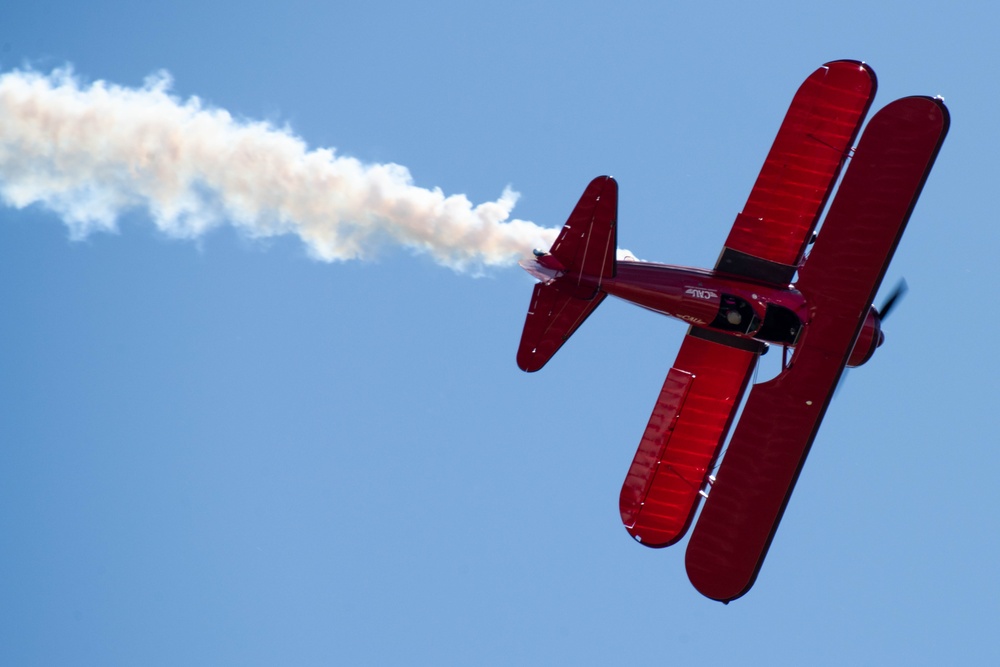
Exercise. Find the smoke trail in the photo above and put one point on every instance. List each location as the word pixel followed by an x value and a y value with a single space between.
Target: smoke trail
pixel 91 152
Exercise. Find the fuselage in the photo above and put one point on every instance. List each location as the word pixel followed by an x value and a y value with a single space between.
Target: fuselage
pixel 710 299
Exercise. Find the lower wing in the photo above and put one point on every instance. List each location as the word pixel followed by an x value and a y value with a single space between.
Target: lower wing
pixel 690 421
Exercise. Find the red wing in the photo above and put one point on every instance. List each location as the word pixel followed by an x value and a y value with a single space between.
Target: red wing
pixel 770 235
pixel 839 280
pixel 689 422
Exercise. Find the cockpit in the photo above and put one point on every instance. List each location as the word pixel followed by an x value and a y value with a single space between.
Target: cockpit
pixel 780 325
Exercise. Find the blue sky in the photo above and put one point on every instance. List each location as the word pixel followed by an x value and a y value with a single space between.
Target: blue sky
pixel 223 451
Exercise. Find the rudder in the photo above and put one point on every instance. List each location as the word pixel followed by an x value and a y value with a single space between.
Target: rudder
pixel 588 241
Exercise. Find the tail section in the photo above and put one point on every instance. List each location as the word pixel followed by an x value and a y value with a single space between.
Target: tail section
pixel 571 273
pixel 586 246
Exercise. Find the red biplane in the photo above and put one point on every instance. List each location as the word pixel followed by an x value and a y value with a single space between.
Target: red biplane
pixel 765 290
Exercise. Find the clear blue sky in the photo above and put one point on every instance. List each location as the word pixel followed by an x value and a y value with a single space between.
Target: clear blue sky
pixel 225 452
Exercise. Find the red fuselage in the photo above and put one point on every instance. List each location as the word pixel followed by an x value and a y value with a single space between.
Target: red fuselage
pixel 710 299
pixel 713 300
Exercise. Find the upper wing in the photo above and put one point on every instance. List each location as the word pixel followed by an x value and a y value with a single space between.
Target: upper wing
pixel 770 235
pixel 839 280
pixel 689 422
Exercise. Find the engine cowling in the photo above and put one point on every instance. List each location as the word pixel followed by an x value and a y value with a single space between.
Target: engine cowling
pixel 871 337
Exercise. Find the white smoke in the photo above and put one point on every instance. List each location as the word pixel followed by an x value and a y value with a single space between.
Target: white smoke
pixel 90 152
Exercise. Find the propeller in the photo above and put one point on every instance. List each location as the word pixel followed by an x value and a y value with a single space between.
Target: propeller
pixel 892 299
pixel 890 302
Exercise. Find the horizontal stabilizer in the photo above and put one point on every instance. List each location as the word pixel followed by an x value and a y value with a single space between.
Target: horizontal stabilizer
pixel 553 316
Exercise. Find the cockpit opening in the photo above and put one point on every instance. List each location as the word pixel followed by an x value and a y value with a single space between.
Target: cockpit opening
pixel 781 325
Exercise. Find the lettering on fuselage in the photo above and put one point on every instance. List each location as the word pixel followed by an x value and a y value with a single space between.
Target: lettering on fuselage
pixel 691 319
pixel 701 293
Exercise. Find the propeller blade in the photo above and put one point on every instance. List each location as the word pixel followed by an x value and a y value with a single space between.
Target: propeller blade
pixel 891 300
